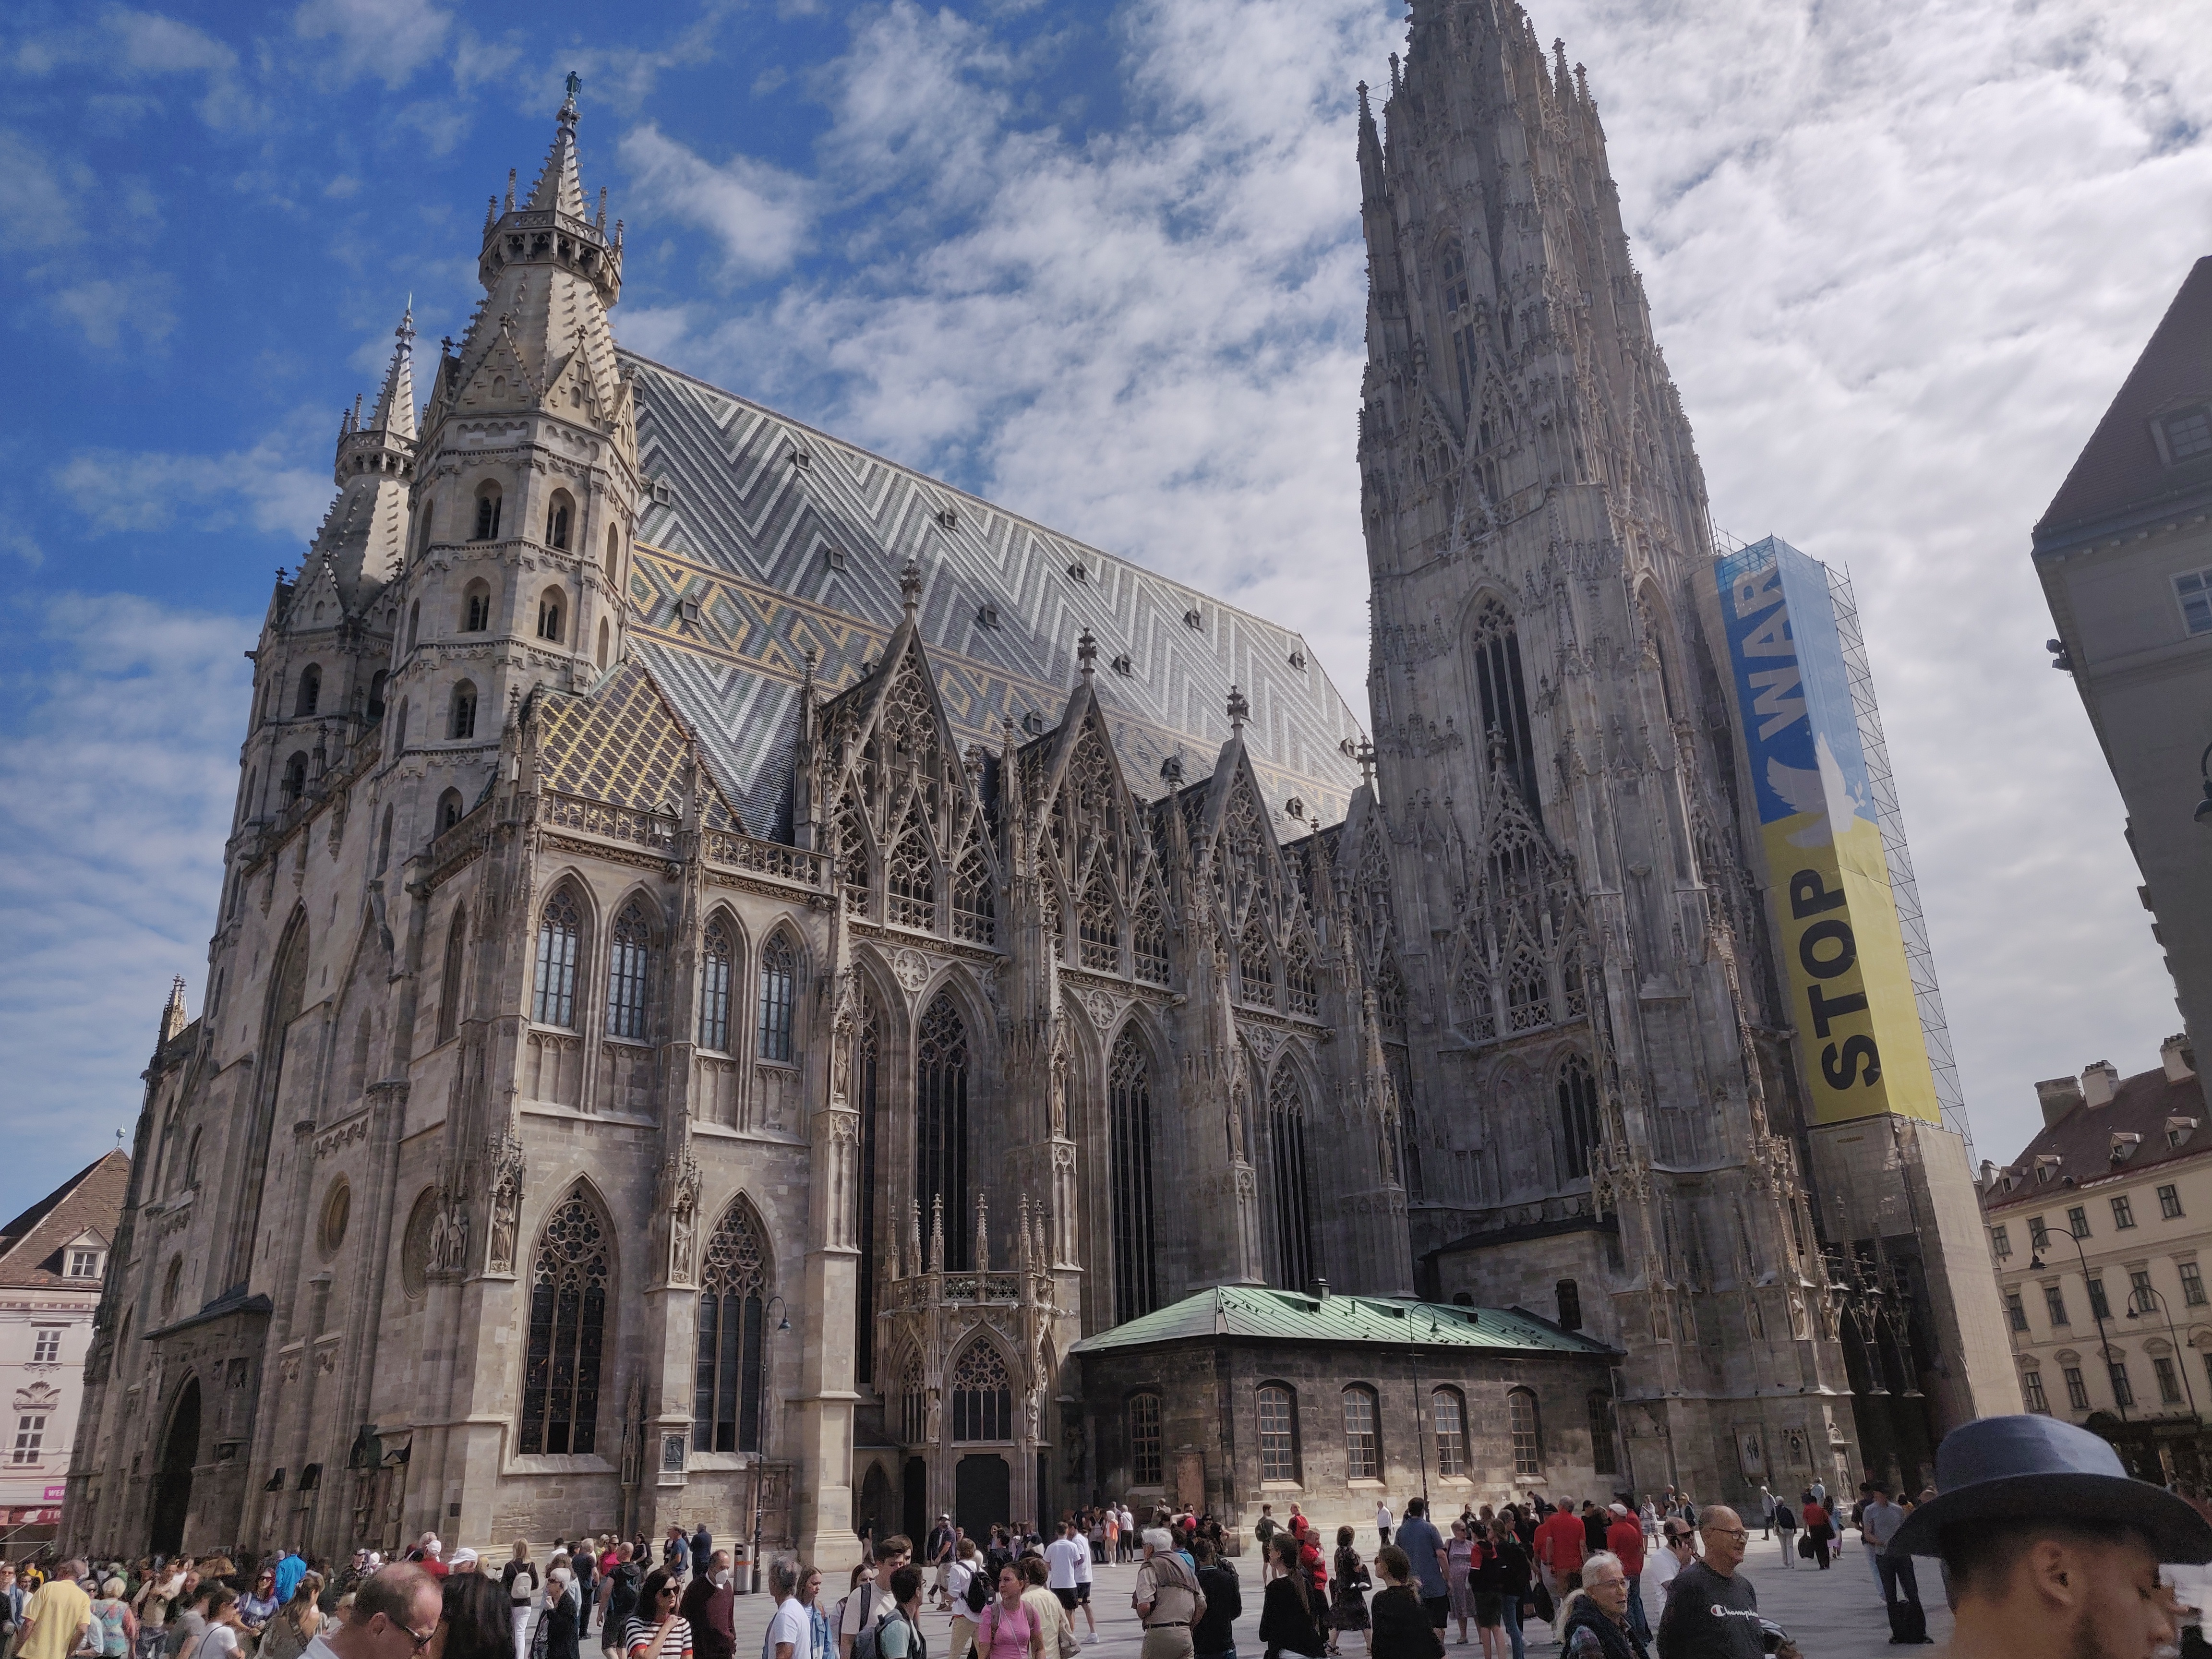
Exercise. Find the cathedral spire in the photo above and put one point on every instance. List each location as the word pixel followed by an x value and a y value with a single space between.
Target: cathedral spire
pixel 395 404
pixel 559 188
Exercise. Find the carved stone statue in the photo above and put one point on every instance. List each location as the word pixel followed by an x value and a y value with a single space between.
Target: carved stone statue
pixel 506 1205
pixel 1059 1086
pixel 682 1218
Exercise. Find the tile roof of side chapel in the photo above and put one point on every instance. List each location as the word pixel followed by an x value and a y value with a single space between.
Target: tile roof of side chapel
pixel 765 539
pixel 89 1203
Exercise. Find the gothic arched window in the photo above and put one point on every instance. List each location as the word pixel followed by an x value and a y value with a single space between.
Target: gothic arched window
pixel 1505 701
pixel 853 856
pixel 568 1277
pixel 718 954
pixel 1136 1288
pixel 606 638
pixel 448 814
pixel 558 929
pixel 449 982
pixel 973 915
pixel 463 717
pixel 913 882
pixel 614 554
pixel 311 690
pixel 1296 1260
pixel 1578 1116
pixel 627 964
pixel 1528 1432
pixel 732 1291
pixel 1575 982
pixel 558 512
pixel 1279 1431
pixel 487 513
pixel 1390 995
pixel 295 777
pixel 1527 1001
pixel 1098 936
pixel 1301 992
pixel 1148 937
pixel 1255 967
pixel 941 1141
pixel 1448 1416
pixel 549 616
pixel 475 607
pixel 982 1397
pixel 779 999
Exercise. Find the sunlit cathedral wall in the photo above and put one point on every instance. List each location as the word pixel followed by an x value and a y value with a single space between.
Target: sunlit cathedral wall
pixel 733 958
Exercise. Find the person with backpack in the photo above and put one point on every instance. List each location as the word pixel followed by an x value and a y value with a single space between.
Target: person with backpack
pixel 1785 1522
pixel 897 1633
pixel 620 1601
pixel 869 1598
pixel 519 1578
pixel 970 1592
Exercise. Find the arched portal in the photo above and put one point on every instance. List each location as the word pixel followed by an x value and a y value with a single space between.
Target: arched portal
pixel 915 1497
pixel 172 1480
pixel 982 1493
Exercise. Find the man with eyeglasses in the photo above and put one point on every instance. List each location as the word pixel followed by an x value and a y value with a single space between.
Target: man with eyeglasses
pixel 1712 1611
pixel 395 1615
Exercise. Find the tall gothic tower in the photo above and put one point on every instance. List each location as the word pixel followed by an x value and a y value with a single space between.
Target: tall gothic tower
pixel 1590 1048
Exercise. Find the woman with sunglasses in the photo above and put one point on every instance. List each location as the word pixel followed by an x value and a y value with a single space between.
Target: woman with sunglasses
pixel 656 1630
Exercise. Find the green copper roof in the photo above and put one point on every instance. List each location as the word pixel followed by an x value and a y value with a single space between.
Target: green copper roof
pixel 1246 1311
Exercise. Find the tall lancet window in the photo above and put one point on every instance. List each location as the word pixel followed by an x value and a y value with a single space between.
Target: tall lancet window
pixel 568 1322
pixel 779 999
pixel 717 955
pixel 1296 1260
pixel 733 1290
pixel 557 930
pixel 1459 323
pixel 1129 1090
pixel 940 1136
pixel 1578 1116
pixel 1505 701
pixel 867 1052
pixel 625 975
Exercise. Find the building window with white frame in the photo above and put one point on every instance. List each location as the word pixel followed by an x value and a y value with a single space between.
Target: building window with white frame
pixel 2194 590
pixel 2000 1241
pixel 2030 1385
pixel 84 1264
pixel 2192 1284
pixel 30 1435
pixel 2169 1202
pixel 2188 434
pixel 46 1346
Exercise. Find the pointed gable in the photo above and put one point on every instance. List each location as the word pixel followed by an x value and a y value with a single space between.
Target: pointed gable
pixel 88 1206
pixel 622 743
pixel 2124 466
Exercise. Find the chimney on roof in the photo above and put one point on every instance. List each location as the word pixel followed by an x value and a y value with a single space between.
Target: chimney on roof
pixel 2059 1096
pixel 2099 1083
pixel 1320 1289
pixel 1989 1175
pixel 2180 1060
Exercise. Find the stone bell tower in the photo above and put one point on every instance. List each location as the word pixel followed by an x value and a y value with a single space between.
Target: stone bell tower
pixel 525 495
pixel 1593 1067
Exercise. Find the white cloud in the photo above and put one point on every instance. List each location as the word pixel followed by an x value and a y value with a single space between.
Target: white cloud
pixel 142 45
pixel 274 486
pixel 118 769
pixel 388 39
pixel 755 212
pixel 1899 270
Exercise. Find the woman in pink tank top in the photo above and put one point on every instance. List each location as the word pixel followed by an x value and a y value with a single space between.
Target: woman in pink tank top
pixel 1006 1631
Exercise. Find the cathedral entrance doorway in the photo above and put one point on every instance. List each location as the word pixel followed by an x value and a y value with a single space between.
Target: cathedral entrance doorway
pixel 982 1489
pixel 172 1480
pixel 875 1504
pixel 914 1496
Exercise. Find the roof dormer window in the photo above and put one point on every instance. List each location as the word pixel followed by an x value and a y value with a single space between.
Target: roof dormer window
pixel 2185 435
pixel 83 1264
pixel 2178 1129
pixel 2124 1145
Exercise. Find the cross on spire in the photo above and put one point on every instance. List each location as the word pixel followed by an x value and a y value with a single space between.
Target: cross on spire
pixel 1086 654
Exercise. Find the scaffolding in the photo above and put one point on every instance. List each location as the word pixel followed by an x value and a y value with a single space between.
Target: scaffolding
pixel 1920 960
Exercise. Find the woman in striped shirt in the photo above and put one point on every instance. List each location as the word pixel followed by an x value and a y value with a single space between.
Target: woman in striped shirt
pixel 655 1630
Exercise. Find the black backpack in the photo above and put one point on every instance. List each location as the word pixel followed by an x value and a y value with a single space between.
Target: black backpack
pixel 978 1595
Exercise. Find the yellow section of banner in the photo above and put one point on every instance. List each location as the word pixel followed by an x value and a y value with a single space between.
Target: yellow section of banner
pixel 1850 990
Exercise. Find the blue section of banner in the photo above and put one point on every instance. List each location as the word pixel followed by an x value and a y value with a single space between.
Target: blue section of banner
pixel 1800 729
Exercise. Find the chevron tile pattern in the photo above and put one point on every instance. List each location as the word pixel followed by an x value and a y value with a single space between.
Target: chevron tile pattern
pixel 764 537
pixel 619 744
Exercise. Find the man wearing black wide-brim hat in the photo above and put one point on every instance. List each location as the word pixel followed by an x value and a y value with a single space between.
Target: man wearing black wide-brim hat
pixel 2052 1551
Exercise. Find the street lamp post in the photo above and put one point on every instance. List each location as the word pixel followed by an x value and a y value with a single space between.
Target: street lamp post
pixel 2158 1301
pixel 760 1451
pixel 2103 1347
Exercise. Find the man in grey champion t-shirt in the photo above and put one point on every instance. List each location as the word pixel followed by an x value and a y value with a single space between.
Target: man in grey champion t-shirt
pixel 1712 1611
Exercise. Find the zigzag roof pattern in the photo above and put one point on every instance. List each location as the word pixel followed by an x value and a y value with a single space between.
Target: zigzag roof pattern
pixel 751 556
pixel 619 743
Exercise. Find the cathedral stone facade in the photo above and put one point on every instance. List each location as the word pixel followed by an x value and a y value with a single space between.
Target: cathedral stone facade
pixel 735 958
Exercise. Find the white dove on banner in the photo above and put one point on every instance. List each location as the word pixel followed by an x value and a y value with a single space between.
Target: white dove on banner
pixel 1821 790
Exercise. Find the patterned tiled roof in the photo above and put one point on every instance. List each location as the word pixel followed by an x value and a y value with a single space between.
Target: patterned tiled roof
pixel 1237 1311
pixel 621 742
pixel 750 557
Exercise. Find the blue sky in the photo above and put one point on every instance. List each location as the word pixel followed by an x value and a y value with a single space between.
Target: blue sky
pixel 1102 264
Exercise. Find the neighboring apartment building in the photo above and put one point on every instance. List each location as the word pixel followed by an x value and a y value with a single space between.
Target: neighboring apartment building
pixel 2101 1232
pixel 2124 553
pixel 51 1257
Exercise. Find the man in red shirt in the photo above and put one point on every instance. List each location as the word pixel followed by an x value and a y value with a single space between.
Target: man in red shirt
pixel 1625 1538
pixel 1559 1546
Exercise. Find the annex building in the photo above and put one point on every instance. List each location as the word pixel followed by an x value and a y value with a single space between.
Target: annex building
pixel 746 974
